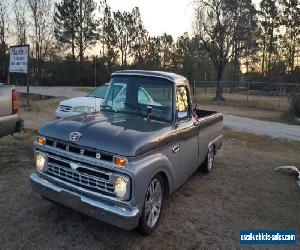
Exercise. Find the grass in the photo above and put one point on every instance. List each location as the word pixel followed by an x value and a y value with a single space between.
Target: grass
pixel 276 103
pixel 84 89
pixel 261 142
pixel 40 105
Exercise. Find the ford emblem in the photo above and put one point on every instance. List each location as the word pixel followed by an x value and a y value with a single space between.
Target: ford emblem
pixel 75 136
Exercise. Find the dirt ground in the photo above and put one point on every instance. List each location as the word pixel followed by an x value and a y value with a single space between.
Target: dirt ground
pixel 39 111
pixel 208 211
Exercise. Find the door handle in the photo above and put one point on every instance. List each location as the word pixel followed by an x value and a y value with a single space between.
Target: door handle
pixel 175 149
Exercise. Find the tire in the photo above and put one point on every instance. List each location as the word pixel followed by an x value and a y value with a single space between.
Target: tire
pixel 207 165
pixel 151 213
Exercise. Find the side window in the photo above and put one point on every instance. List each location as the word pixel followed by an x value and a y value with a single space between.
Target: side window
pixel 182 105
pixel 120 98
pixel 142 97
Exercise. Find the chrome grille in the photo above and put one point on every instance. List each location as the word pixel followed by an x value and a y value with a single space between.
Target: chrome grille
pixel 64 108
pixel 86 177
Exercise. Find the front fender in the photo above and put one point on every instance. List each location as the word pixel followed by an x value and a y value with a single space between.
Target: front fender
pixel 144 170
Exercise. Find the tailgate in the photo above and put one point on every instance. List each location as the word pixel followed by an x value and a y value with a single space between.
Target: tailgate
pixel 6 100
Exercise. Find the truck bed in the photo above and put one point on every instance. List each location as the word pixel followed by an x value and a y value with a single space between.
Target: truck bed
pixel 9 121
pixel 204 113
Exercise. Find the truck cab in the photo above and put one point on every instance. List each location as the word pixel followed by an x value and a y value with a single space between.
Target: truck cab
pixel 120 164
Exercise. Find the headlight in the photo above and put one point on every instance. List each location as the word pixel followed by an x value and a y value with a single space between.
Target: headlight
pixel 120 187
pixel 84 109
pixel 40 161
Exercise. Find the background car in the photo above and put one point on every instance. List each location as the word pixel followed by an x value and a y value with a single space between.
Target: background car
pixel 93 101
pixel 86 104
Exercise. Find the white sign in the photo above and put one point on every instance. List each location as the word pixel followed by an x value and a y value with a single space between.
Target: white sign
pixel 18 59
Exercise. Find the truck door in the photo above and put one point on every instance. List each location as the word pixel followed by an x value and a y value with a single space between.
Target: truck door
pixel 189 135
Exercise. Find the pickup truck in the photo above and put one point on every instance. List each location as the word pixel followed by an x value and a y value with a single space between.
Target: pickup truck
pixel 120 164
pixel 9 121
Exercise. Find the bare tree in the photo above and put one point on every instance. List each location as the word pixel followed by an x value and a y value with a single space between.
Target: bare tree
pixel 3 22
pixel 3 37
pixel 269 23
pixel 107 34
pixel 290 20
pixel 42 16
pixel 219 25
pixel 20 21
pixel 123 27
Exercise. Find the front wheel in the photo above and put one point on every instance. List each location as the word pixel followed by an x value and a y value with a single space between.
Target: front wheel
pixel 207 165
pixel 151 213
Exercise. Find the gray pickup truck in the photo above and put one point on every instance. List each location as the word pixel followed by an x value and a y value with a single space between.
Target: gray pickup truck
pixel 120 164
pixel 9 121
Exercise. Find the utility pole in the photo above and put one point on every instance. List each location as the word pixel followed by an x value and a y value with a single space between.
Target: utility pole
pixel 95 73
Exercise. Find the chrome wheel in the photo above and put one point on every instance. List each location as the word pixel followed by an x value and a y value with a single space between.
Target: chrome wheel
pixel 153 202
pixel 210 158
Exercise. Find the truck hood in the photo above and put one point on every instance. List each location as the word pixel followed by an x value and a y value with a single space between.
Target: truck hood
pixel 117 133
pixel 85 101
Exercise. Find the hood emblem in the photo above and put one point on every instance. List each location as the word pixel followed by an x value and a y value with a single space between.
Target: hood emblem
pixel 75 136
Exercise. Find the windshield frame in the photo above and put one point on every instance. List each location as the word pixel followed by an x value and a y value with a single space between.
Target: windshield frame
pixel 139 114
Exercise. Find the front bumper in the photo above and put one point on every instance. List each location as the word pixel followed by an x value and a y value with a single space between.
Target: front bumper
pixel 104 211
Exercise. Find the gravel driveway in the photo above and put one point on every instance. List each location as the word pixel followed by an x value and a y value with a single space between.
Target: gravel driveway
pixel 272 129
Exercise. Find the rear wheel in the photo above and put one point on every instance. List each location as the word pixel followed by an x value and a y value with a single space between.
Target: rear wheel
pixel 207 165
pixel 151 213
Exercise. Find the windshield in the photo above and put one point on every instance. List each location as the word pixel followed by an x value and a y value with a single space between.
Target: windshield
pixel 137 93
pixel 99 92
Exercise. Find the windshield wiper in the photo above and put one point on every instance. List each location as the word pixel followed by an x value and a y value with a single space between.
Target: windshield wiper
pixel 108 106
pixel 132 106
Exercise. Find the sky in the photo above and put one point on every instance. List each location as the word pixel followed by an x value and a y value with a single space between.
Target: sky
pixel 171 16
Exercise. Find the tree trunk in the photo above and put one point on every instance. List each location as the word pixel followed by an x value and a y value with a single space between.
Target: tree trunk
pixel 73 42
pixel 219 89
pixel 263 57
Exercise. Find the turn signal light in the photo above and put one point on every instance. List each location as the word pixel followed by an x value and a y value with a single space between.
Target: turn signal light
pixel 120 161
pixel 40 140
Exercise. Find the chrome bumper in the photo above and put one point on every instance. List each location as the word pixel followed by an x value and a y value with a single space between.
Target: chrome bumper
pixel 109 213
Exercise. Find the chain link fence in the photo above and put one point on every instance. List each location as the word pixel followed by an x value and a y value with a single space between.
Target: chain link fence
pixel 262 95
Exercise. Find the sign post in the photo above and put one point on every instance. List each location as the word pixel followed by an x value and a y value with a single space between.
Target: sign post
pixel 19 63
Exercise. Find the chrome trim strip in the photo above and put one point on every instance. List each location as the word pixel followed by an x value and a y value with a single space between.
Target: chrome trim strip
pixel 215 140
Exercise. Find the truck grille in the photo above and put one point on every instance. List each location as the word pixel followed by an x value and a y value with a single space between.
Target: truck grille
pixel 82 175
pixel 79 150
pixel 64 108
